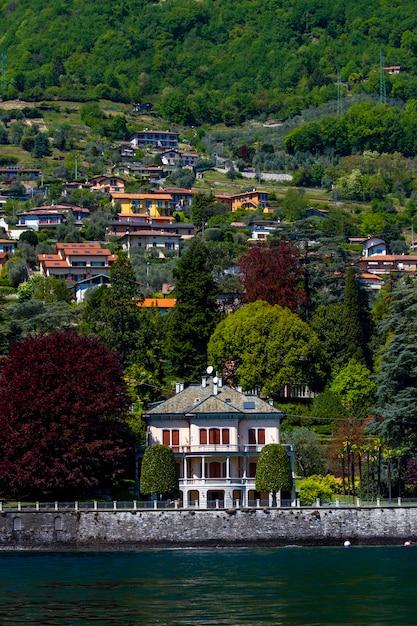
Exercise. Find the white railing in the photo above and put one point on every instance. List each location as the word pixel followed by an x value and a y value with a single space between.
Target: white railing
pixel 218 447
pixel 187 482
pixel 136 505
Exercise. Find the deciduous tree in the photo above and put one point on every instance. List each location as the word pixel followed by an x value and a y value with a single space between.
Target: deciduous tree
pixel 62 407
pixel 269 347
pixel 273 274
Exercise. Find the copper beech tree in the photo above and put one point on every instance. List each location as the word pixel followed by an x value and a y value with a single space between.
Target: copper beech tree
pixel 62 410
pixel 273 274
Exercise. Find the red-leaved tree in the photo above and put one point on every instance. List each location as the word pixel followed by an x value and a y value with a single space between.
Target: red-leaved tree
pixel 62 405
pixel 273 274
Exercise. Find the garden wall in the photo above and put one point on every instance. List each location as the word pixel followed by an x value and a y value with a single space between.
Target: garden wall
pixel 175 528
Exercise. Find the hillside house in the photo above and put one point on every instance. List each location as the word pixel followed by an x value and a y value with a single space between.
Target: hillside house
pixel 249 200
pixel 163 139
pixel 154 204
pixel 82 286
pixel 216 433
pixel 374 246
pixel 146 232
pixel 51 216
pixel 107 184
pixel 77 261
pixel 405 264
pixel 151 172
pixel 8 246
pixel 175 157
pixel 162 304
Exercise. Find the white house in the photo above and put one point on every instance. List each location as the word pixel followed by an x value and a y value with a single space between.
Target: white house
pixel 216 433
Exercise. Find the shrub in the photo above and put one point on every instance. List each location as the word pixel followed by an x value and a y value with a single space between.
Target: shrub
pixel 317 486
pixel 159 471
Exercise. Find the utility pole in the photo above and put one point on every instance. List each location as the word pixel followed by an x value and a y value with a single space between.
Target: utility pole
pixel 339 94
pixel 382 86
pixel 3 69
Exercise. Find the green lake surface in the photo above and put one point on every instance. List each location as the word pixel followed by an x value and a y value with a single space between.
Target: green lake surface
pixel 251 586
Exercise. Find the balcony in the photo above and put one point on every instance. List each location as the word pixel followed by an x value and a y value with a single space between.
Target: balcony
pixel 211 448
pixel 221 483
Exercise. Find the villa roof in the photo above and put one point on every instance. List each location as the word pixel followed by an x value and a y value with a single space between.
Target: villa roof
pixel 204 399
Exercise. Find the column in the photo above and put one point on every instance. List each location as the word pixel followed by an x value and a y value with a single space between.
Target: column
pixel 227 467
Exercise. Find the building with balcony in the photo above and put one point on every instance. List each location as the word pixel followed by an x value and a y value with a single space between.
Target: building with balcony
pixel 249 200
pixel 216 433
pixel 77 261
pixel 153 204
pixel 162 139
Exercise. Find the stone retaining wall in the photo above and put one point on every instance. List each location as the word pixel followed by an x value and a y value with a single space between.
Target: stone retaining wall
pixel 163 528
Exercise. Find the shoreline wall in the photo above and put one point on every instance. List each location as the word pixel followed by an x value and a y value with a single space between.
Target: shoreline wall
pixel 101 530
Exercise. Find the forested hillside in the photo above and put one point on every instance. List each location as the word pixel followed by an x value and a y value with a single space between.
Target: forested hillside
pixel 208 60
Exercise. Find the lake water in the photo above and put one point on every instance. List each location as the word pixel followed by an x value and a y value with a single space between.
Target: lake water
pixel 268 586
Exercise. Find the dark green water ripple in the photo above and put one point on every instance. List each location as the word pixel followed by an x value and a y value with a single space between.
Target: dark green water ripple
pixel 255 587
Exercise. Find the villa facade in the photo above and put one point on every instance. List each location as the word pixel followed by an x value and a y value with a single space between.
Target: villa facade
pixel 216 433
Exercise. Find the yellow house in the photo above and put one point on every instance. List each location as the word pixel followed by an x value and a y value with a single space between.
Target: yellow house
pixel 152 204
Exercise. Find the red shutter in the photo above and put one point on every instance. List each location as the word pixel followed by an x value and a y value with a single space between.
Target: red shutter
pixel 214 436
pixel 203 437
pixel 251 436
pixel 166 437
pixel 225 436
pixel 175 438
pixel 252 470
pixel 261 436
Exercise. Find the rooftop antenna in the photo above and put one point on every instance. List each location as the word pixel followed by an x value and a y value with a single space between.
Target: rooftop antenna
pixel 210 369
pixel 382 86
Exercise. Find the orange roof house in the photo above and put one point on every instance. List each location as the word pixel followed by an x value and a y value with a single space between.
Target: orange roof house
pixel 77 261
pixel 162 304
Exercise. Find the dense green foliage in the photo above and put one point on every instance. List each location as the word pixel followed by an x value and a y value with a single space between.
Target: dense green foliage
pixel 308 451
pixel 159 472
pixel 317 486
pixel 191 58
pixel 273 471
pixel 266 346
pixel 195 315
pixel 395 411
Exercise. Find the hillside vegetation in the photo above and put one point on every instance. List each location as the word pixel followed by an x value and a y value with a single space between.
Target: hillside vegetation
pixel 206 61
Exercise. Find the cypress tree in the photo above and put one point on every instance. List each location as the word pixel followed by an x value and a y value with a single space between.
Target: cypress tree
pixel 195 315
pixel 357 321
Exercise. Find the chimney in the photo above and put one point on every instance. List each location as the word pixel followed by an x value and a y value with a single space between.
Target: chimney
pixel 239 388
pixel 220 383
pixel 177 387
pixel 215 386
pixel 204 381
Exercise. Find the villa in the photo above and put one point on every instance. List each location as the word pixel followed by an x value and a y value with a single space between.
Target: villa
pixel 216 433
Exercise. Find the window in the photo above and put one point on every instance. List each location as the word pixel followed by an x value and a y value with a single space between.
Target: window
pixel 171 438
pixel 256 436
pixel 203 437
pixel 214 436
pixel 252 470
pixel 215 470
